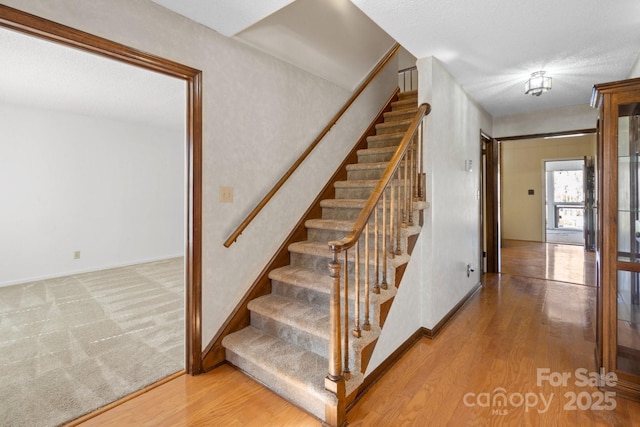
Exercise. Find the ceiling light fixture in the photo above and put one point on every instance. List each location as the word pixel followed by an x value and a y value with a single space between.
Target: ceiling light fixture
pixel 537 84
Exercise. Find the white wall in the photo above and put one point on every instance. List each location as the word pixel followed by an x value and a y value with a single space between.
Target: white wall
pixel 259 113
pixel 452 223
pixel 112 190
pixel 575 117
pixel 635 69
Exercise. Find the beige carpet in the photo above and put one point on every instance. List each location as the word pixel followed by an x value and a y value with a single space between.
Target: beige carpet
pixel 73 344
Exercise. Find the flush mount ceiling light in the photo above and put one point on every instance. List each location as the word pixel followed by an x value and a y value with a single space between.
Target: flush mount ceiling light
pixel 537 84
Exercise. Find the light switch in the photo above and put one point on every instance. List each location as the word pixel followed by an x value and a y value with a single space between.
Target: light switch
pixel 226 194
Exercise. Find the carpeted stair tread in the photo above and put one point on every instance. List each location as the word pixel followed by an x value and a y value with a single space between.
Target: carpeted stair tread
pixel 330 224
pixel 394 126
pixel 356 183
pixel 311 248
pixel 300 316
pixel 367 166
pixel 404 104
pixel 302 277
pixel 376 139
pixel 408 94
pixel 320 249
pixel 343 203
pixel 310 281
pixel 289 370
pixel 378 150
pixel 400 115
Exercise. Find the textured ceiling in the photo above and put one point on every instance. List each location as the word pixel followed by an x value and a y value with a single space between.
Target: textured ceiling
pixel 39 73
pixel 490 47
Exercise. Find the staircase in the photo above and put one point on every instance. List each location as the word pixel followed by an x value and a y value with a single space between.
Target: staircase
pixel 286 345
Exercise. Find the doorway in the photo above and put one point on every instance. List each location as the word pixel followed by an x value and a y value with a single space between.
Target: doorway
pixel 564 219
pixel 192 142
pixel 525 212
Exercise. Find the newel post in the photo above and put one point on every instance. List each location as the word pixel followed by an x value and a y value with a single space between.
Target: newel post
pixel 335 382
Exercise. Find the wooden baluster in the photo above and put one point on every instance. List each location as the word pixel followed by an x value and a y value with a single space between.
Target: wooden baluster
pixel 411 180
pixel 405 214
pixel 392 223
pixel 367 283
pixel 376 252
pixel 346 371
pixel 335 358
pixel 356 309
pixel 398 217
pixel 422 179
pixel 384 285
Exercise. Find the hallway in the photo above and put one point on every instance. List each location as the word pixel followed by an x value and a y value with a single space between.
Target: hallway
pixel 550 261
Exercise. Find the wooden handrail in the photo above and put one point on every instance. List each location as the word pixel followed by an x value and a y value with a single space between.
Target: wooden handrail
pixel 350 239
pixel 238 231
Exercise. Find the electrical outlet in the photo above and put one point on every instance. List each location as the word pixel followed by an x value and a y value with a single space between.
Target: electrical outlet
pixel 76 255
pixel 226 194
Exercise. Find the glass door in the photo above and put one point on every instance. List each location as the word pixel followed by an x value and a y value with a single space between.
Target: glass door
pixel 628 236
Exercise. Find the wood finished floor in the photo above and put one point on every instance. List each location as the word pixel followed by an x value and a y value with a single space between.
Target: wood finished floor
pixel 551 261
pixel 509 329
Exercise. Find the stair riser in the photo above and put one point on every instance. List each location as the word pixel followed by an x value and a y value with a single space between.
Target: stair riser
pixel 369 174
pixel 318 235
pixel 383 142
pixel 365 174
pixel 312 297
pixel 321 264
pixel 304 295
pixel 400 115
pixel 361 193
pixel 296 394
pixel 353 192
pixel 374 157
pixel 409 94
pixel 405 104
pixel 303 339
pixel 348 213
pixel 391 127
pixel 340 213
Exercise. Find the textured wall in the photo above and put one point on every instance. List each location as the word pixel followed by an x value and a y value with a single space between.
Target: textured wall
pixel 575 117
pixel 435 280
pixel 259 113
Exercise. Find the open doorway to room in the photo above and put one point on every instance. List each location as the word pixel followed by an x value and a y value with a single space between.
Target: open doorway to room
pixel 89 194
pixel 530 212
pixel 564 201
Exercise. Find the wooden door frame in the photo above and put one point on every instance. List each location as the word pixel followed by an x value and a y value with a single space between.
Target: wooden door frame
pixel 32 25
pixel 491 202
pixel 519 137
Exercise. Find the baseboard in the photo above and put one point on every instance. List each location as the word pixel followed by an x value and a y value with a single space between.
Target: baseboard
pixel 432 333
pixel 420 333
pixel 85 270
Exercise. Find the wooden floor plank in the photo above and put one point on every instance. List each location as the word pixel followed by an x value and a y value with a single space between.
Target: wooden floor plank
pixel 512 327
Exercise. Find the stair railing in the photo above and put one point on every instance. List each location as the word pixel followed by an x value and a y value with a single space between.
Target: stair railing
pixel 408 79
pixel 245 223
pixel 401 184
